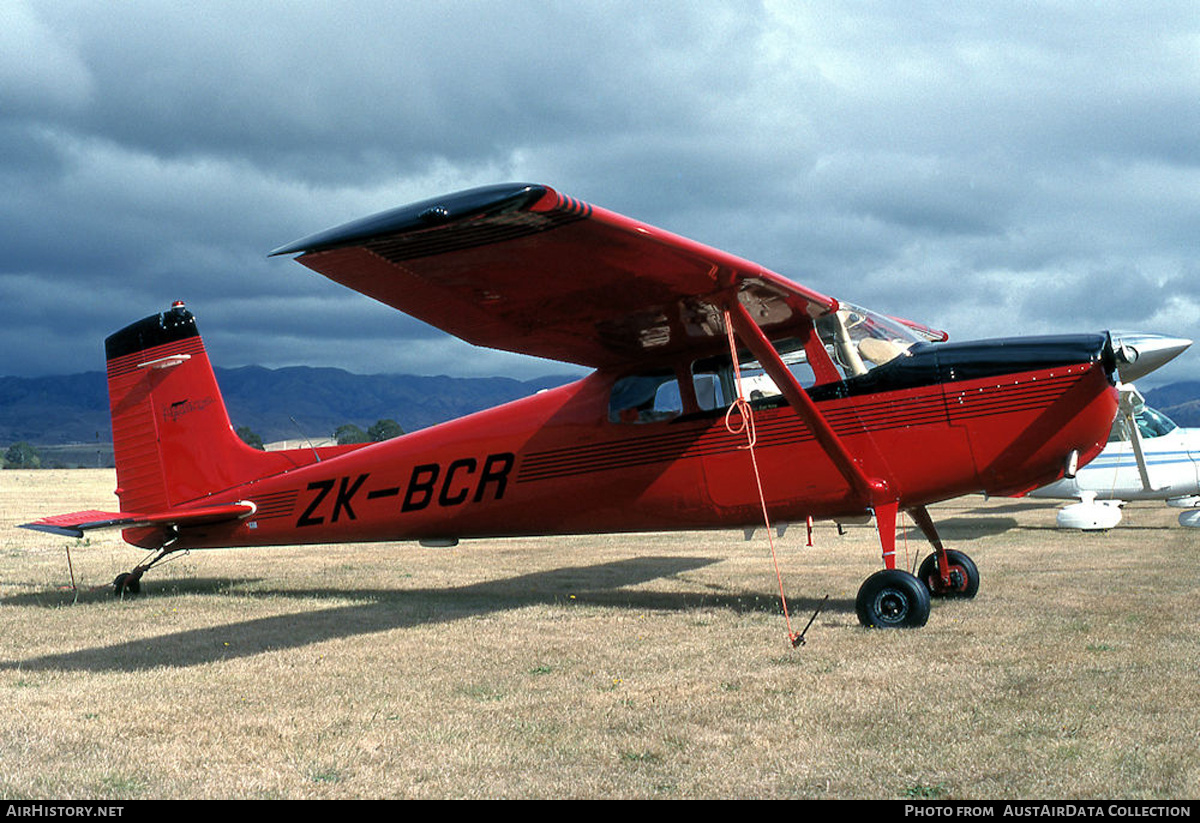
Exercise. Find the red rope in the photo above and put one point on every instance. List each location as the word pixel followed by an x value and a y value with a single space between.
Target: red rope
pixel 747 426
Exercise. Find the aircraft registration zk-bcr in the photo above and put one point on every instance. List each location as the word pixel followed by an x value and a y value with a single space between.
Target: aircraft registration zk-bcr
pixel 723 395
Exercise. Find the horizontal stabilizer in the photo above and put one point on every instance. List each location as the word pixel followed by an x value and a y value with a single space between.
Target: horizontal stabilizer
pixel 76 523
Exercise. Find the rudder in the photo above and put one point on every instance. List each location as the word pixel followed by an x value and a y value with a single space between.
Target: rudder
pixel 172 438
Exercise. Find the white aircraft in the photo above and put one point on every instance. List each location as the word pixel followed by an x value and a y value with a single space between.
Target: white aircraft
pixel 1148 456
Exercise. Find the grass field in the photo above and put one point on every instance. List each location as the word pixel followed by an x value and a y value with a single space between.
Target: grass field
pixel 648 666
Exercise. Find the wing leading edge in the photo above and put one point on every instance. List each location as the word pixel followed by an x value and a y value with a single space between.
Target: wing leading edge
pixel 523 268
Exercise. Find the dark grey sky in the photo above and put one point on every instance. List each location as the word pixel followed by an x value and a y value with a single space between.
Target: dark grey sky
pixel 989 168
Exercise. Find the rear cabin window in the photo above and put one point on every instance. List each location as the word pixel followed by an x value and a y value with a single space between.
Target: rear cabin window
pixel 652 397
pixel 645 398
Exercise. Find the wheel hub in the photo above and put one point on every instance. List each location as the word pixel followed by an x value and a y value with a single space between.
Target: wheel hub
pixel 892 606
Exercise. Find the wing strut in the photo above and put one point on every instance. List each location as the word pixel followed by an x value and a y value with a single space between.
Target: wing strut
pixel 1129 400
pixel 874 492
pixel 871 490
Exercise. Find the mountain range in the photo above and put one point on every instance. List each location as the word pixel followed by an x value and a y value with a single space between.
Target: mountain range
pixel 294 403
pixel 300 402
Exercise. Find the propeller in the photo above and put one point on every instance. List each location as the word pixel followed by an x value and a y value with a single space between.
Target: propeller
pixel 1140 353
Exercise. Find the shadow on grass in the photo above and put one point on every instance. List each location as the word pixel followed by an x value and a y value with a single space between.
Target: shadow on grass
pixel 1020 506
pixel 967 528
pixel 376 611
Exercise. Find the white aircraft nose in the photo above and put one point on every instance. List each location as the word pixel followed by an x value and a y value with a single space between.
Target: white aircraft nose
pixel 1147 352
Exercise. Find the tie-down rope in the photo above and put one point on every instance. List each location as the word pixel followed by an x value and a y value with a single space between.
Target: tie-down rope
pixel 747 425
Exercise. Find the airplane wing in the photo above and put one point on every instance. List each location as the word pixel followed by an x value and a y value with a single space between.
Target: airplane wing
pixel 523 268
pixel 76 523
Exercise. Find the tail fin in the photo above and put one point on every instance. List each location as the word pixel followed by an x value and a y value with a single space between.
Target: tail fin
pixel 172 437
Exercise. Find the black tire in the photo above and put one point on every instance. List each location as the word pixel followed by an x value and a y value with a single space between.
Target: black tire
pixel 892 599
pixel 964 577
pixel 127 584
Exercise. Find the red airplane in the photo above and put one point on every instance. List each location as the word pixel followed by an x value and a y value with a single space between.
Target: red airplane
pixel 723 395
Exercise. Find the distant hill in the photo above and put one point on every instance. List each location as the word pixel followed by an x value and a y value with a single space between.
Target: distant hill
pixel 1178 401
pixel 48 411
pixel 67 416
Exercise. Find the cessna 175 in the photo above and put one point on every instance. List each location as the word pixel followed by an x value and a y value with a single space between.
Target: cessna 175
pixel 863 414
pixel 1148 457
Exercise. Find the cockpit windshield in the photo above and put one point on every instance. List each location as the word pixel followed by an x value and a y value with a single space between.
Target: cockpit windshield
pixel 858 339
pixel 1150 423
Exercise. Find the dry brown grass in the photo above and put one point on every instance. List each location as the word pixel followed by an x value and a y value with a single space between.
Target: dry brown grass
pixel 636 666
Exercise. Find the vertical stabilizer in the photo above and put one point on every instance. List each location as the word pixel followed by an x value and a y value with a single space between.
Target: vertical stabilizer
pixel 172 438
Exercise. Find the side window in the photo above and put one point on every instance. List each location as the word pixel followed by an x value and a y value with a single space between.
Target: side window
pixel 654 396
pixel 645 398
pixel 710 394
pixel 758 385
pixel 667 399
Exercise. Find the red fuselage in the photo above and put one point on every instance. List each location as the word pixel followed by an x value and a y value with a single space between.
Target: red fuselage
pixel 558 462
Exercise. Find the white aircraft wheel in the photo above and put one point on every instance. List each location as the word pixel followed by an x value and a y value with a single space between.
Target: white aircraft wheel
pixel 892 599
pixel 964 576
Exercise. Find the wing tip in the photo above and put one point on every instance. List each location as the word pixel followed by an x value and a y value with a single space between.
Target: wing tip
pixel 60 531
pixel 422 214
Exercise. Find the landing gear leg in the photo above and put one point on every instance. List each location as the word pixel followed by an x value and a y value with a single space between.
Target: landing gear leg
pixel 946 572
pixel 130 582
pixel 891 598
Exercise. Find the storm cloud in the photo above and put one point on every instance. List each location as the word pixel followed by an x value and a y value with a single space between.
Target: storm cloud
pixel 985 168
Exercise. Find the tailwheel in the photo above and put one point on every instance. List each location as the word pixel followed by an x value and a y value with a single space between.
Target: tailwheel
pixel 893 599
pixel 130 582
pixel 962 581
pixel 127 583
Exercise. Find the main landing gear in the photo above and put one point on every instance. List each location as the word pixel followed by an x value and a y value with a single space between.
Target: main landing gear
pixel 130 582
pixel 892 598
